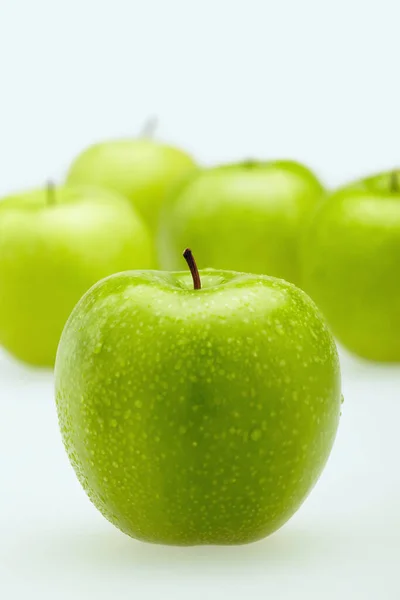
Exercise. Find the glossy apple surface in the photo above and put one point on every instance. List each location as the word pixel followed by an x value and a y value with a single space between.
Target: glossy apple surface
pixel 141 169
pixel 247 217
pixel 350 262
pixel 53 248
pixel 197 416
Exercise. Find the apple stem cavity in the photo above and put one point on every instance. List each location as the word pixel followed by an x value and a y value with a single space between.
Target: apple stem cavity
pixel 149 128
pixel 250 163
pixel 51 193
pixel 188 256
pixel 394 181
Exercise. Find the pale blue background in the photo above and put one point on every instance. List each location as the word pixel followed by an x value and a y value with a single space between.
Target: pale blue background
pixel 314 80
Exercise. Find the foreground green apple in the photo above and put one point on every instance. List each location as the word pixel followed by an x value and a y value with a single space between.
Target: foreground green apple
pixel 54 245
pixel 197 416
pixel 246 217
pixel 351 261
pixel 141 169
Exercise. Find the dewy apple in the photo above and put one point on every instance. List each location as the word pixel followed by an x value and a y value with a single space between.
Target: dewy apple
pixel 197 410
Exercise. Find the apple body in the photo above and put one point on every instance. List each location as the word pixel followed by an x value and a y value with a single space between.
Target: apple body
pixel 197 416
pixel 53 247
pixel 248 217
pixel 351 256
pixel 141 169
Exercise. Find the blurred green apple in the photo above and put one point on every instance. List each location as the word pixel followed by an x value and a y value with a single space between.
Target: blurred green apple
pixel 197 416
pixel 246 217
pixel 54 245
pixel 141 169
pixel 350 265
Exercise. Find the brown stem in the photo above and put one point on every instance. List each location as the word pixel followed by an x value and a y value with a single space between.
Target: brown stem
pixel 51 193
pixel 188 256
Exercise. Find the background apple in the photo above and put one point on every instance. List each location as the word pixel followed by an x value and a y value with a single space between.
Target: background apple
pixel 197 416
pixel 246 217
pixel 54 245
pixel 350 265
pixel 141 169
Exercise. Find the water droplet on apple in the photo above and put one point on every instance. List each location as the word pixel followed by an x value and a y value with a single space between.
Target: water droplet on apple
pixel 256 435
pixel 113 423
pixel 138 403
pixel 98 347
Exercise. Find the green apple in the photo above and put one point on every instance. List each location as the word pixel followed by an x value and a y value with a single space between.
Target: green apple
pixel 141 169
pixel 197 415
pixel 54 245
pixel 350 265
pixel 246 217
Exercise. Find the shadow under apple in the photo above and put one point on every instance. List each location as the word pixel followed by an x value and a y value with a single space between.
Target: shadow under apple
pixel 113 551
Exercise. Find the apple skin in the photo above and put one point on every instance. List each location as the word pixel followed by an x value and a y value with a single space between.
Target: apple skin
pixel 246 217
pixel 351 256
pixel 51 253
pixel 142 170
pixel 197 416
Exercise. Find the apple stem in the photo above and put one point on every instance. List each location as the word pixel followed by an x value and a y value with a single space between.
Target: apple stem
pixel 51 193
pixel 188 256
pixel 394 181
pixel 149 128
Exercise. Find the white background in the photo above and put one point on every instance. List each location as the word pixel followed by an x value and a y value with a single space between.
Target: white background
pixel 312 80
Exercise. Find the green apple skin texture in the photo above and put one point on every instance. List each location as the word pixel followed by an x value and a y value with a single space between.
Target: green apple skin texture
pixel 52 253
pixel 247 217
pixel 197 416
pixel 140 169
pixel 351 257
